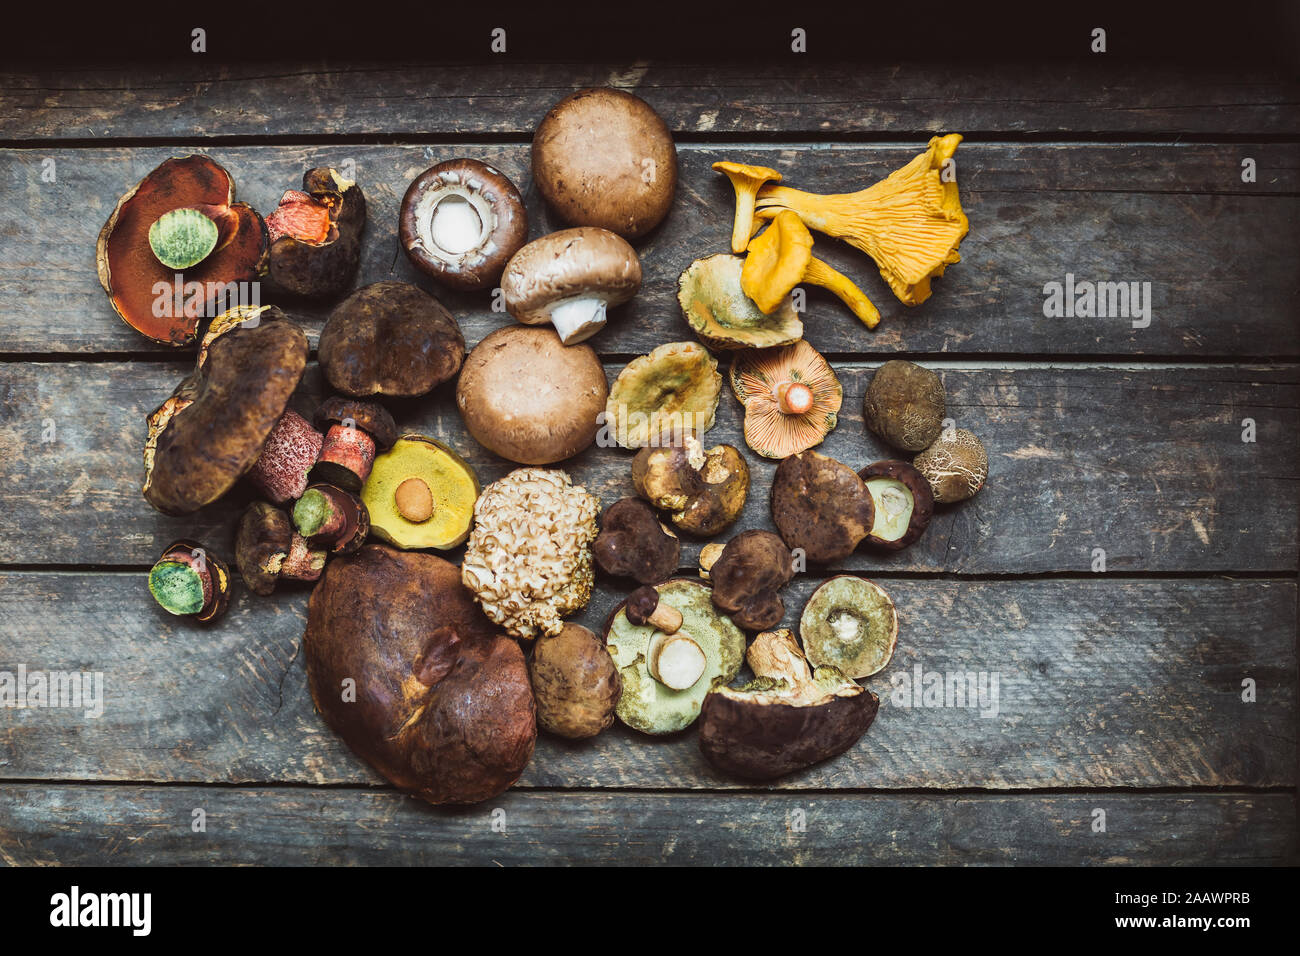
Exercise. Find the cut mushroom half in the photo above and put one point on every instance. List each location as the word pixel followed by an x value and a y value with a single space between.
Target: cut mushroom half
pixel 850 624
pixel 903 503
pixel 792 398
pixel 675 660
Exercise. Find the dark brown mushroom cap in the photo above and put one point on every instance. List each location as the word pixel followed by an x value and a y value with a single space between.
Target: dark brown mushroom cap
pixel 820 506
pixel 747 577
pixel 634 544
pixel 572 263
pixel 390 338
pixel 325 269
pixel 500 210
pixel 443 705
pixel 922 500
pixel 703 491
pixel 261 545
pixel 904 404
pixel 640 604
pixel 603 157
pixel 575 683
pixel 371 417
pixel 213 428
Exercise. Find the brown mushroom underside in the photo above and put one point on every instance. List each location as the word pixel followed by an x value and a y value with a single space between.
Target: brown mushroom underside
pixel 443 705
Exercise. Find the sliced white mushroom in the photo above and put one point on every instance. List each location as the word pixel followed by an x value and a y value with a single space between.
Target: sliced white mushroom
pixel 675 660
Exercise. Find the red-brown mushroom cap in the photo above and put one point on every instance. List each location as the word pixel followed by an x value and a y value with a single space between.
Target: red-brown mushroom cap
pixel 633 543
pixel 318 266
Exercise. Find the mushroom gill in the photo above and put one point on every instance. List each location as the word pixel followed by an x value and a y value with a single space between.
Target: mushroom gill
pixel 791 397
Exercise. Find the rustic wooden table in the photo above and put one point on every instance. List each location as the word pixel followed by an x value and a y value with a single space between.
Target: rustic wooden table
pixel 1121 733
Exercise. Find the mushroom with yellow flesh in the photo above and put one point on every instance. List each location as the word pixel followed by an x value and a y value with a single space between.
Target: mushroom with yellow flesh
pixel 791 397
pixel 910 223
pixel 746 180
pixel 781 258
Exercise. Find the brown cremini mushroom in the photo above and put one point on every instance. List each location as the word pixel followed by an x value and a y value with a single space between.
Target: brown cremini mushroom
pixel 904 404
pixel 529 398
pixel 748 576
pixel 416 681
pixel 571 279
pixel 658 398
pixel 820 506
pixel 390 338
pixel 633 543
pixel 461 221
pixel 956 465
pixel 746 180
pixel 575 683
pixel 190 581
pixel 791 395
pixel 903 503
pixel 703 490
pixel 355 431
pixel 787 718
pixel 316 234
pixel 603 157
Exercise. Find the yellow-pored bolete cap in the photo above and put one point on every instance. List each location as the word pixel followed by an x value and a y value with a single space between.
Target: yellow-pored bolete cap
pixel 910 223
pixel 746 180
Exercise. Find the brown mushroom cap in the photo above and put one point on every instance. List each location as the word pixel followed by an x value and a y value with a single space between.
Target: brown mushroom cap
pixel 747 577
pixel 390 338
pixel 443 705
pixel 898 491
pixel 956 466
pixel 212 429
pixel 785 720
pixel 762 380
pixel 820 506
pixel 371 417
pixel 657 398
pixel 575 683
pixel 461 221
pixel 261 545
pixel 529 398
pixel 634 544
pixel 603 157
pixel 323 269
pixel 904 405
pixel 703 490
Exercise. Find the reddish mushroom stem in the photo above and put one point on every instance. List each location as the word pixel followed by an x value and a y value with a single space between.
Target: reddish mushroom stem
pixel 303 563
pixel 291 450
pixel 351 448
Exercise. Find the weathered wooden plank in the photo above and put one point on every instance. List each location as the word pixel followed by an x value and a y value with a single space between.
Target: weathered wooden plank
pixel 1147 464
pixel 1218 253
pixel 78 825
pixel 1100 683
pixel 197 97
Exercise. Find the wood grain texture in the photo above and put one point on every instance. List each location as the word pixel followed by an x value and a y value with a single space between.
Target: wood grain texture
pixel 150 825
pixel 202 98
pixel 1177 216
pixel 1147 464
pixel 1101 683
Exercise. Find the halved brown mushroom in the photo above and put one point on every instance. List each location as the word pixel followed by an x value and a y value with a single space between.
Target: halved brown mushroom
pixel 903 503
pixel 634 544
pixel 820 506
pixel 748 576
pixel 791 396
pixel 390 338
pixel 849 623
pixel 316 233
pixel 190 581
pixel 406 669
pixel 528 397
pixel 234 249
pixel 355 431
pixel 571 279
pixel 215 424
pixel 787 719
pixel 461 221
pixel 703 490
pixel 603 157
pixel 331 518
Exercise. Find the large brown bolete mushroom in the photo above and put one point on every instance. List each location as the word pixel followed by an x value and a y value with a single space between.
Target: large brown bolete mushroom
pixel 416 681
pixel 316 233
pixel 904 405
pixel 658 398
pixel 787 718
pixel 183 211
pixel 390 338
pixel 820 506
pixel 190 581
pixel 215 424
pixel 633 543
pixel 461 221
pixel 903 503
pixel 791 395
pixel 528 397
pixel 748 576
pixel 575 683
pixel 603 157
pixel 571 279
pixel 718 311
pixel 703 490
pixel 849 623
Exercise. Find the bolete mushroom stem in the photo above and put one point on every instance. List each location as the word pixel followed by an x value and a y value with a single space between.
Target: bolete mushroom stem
pixel 414 500
pixel 675 660
pixel 644 607
pixel 793 398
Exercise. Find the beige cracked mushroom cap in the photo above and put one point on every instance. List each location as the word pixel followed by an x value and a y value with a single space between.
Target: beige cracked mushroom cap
pixel 571 279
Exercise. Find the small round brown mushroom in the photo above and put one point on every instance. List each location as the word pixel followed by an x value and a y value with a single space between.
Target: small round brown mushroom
pixel 633 543
pixel 526 396
pixel 644 607
pixel 571 279
pixel 820 506
pixel 355 431
pixel 461 221
pixel 703 490
pixel 575 683
pixel 331 518
pixel 603 157
pixel 956 466
pixel 904 405
pixel 748 577
pixel 903 503
pixel 190 581
pixel 390 338
pixel 267 548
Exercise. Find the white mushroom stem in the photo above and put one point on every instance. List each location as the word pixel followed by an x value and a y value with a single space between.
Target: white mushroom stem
pixel 578 319
pixel 675 660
